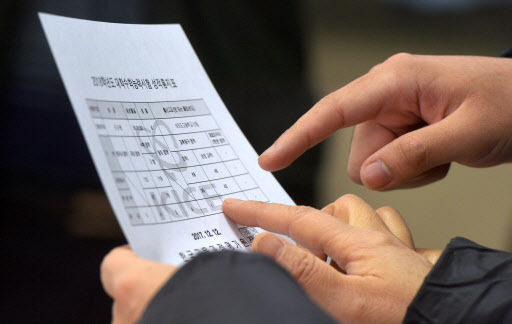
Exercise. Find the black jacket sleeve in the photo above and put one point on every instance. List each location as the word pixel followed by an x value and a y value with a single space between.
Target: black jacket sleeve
pixel 507 52
pixel 232 287
pixel 469 284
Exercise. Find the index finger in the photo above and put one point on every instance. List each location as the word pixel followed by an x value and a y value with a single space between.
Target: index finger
pixel 311 228
pixel 353 104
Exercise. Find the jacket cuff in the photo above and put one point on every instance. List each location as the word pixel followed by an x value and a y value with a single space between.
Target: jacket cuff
pixel 469 284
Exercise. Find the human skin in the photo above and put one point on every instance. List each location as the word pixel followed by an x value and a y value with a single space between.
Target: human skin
pixel 414 115
pixel 132 282
pixel 375 274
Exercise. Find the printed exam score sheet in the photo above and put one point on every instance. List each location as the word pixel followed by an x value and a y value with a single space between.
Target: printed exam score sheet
pixel 165 146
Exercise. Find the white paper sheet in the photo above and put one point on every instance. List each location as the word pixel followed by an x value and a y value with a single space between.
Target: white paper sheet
pixel 165 146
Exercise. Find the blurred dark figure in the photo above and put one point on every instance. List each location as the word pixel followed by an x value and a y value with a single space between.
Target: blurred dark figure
pixel 251 51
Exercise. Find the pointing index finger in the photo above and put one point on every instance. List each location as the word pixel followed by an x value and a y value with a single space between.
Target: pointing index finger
pixel 355 103
pixel 311 228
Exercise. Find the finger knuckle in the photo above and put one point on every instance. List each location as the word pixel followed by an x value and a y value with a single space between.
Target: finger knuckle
pixel 306 136
pixel 333 100
pixel 332 236
pixel 303 268
pixel 297 214
pixel 350 240
pixel 329 208
pixel 126 295
pixel 300 211
pixel 413 154
pixel 400 59
pixel 108 260
pixel 392 72
pixel 376 69
pixel 347 199
pixel 255 204
pixel 125 288
pixel 346 203
pixel 390 77
pixel 387 209
pixel 394 62
pixel 363 241
pixel 329 100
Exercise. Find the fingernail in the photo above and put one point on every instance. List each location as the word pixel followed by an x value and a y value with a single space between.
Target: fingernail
pixel 230 201
pixel 377 175
pixel 270 246
pixel 269 150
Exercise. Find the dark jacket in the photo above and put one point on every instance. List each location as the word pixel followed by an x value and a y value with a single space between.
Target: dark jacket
pixel 469 284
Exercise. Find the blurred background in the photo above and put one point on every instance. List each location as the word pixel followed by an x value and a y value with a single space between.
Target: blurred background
pixel 276 58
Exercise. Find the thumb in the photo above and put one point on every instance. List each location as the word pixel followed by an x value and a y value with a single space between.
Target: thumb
pixel 317 278
pixel 414 154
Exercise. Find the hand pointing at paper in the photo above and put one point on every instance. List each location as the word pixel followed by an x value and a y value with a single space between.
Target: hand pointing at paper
pixel 376 270
pixel 414 115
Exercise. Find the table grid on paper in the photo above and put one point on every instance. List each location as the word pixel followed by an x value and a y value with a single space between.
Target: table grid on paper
pixel 169 160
